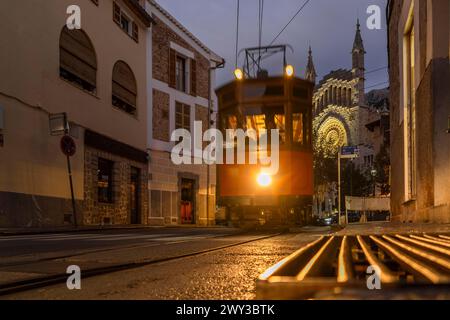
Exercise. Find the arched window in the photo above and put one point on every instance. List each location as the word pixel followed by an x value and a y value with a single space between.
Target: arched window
pixel 124 88
pixel 77 59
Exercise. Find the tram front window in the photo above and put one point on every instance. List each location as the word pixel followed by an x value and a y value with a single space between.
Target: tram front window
pixel 267 122
pixel 257 123
pixel 232 122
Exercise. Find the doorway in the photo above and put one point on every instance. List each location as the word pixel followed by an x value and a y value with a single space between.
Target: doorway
pixel 134 195
pixel 187 201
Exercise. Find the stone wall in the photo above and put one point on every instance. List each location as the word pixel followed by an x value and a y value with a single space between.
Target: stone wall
pixel 161 115
pixel 118 212
pixel 162 36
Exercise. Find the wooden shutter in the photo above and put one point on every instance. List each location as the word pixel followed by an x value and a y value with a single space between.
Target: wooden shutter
pixel 77 55
pixel 172 68
pixel 135 32
pixel 116 13
pixel 194 77
pixel 124 83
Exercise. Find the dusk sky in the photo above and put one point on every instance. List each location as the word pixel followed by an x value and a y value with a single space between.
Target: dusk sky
pixel 328 25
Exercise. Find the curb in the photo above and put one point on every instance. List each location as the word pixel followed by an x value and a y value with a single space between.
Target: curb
pixel 94 229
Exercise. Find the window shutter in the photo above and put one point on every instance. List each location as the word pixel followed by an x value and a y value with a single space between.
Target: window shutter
pixel 172 69
pixel 194 77
pixel 135 31
pixel 116 13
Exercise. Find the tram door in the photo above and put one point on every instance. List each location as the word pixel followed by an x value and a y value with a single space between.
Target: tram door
pixel 187 201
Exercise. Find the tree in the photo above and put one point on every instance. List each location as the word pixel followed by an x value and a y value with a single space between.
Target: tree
pixel 382 165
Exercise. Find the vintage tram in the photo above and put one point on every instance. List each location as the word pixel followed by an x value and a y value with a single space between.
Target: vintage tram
pixel 264 103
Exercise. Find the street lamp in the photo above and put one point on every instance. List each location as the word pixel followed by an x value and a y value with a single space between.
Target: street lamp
pixel 374 172
pixel 289 70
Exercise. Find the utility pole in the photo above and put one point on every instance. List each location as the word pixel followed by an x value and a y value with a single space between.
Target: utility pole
pixel 210 111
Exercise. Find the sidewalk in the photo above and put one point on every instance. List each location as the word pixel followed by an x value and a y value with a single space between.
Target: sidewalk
pixel 377 228
pixel 68 229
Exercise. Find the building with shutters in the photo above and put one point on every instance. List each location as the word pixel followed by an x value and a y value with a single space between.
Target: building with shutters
pixel 419 48
pixel 182 88
pixel 97 76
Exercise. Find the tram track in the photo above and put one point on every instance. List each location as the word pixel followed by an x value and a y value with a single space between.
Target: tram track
pixel 58 278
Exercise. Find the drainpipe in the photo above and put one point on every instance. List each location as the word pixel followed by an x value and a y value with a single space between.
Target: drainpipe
pixel 208 173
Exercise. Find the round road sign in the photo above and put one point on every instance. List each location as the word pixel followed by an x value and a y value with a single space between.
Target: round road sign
pixel 68 146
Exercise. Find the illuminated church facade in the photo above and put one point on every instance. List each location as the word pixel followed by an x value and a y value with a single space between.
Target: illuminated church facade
pixel 342 117
pixel 340 110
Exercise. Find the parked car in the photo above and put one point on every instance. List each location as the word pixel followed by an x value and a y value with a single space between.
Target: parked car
pixel 326 220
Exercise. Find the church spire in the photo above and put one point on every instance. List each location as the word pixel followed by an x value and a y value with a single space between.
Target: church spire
pixel 358 43
pixel 358 64
pixel 311 74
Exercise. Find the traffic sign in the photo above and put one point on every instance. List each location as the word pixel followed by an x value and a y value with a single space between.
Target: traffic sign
pixel 349 152
pixel 68 146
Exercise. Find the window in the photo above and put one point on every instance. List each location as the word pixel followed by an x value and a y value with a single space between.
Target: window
pixel 266 118
pixel 297 127
pixel 182 116
pixel 124 89
pixel 105 181
pixel 180 74
pixel 257 123
pixel 410 126
pixel 125 22
pixel 78 62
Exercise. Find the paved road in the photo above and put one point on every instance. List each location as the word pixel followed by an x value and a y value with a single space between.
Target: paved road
pixel 224 274
pixel 13 246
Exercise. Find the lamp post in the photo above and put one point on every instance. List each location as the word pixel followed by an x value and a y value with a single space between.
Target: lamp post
pixel 374 172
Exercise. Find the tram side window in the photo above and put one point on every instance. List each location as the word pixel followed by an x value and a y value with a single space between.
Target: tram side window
pixel 297 126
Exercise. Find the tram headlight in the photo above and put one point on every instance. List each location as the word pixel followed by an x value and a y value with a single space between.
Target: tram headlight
pixel 289 70
pixel 264 180
pixel 238 74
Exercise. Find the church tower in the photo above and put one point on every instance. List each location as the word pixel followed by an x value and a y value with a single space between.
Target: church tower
pixel 358 67
pixel 311 74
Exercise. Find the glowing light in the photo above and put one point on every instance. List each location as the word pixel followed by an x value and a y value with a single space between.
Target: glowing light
pixel 238 74
pixel 289 70
pixel 264 180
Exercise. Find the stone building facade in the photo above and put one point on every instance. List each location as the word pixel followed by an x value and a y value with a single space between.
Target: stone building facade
pixel 182 92
pixel 419 46
pixel 342 117
pixel 97 76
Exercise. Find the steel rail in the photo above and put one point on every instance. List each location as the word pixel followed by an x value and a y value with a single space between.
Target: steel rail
pixel 345 269
pixel 311 263
pixel 441 243
pixel 443 262
pixel 436 238
pixel 387 276
pixel 418 267
pixel 45 281
pixel 279 266
pixel 425 245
